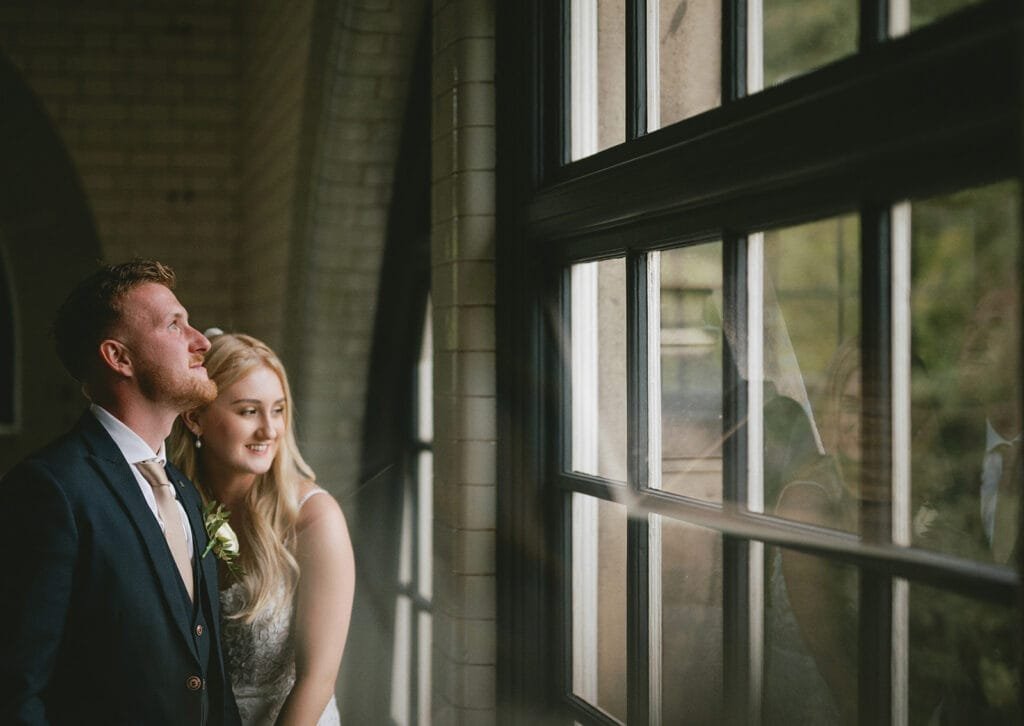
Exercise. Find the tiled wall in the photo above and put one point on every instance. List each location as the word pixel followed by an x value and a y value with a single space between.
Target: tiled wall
pixel 364 66
pixel 145 96
pixel 276 55
pixel 463 289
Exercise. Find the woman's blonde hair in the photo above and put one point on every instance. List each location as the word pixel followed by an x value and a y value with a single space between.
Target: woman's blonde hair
pixel 272 503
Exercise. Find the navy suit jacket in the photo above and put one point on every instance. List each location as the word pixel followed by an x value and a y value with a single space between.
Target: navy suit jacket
pixel 98 628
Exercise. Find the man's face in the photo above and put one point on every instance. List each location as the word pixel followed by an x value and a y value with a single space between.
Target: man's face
pixel 165 351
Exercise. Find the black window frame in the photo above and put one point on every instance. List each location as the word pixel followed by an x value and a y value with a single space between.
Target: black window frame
pixel 933 111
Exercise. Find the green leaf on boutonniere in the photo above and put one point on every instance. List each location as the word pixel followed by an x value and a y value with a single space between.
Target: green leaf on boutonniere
pixel 223 541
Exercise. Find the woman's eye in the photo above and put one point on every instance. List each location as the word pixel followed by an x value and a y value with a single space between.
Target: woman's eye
pixel 248 412
pixel 279 411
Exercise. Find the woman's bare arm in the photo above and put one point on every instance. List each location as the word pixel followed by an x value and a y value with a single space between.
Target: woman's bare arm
pixel 323 608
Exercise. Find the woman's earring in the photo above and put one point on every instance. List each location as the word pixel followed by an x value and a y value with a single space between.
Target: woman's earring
pixel 199 442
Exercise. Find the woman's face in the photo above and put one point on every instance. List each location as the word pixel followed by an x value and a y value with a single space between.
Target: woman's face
pixel 242 429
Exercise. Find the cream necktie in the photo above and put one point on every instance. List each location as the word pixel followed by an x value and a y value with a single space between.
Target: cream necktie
pixel 154 473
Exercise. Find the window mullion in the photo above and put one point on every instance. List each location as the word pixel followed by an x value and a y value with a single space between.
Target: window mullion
pixel 875 687
pixel 874 22
pixel 636 68
pixel 734 49
pixel 736 552
pixel 637 577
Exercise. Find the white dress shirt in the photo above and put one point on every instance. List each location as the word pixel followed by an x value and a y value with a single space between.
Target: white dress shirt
pixel 134 450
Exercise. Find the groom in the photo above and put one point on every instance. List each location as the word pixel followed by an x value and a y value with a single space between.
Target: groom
pixel 110 612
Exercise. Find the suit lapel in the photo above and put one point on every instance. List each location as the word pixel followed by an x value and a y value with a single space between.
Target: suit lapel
pixel 116 473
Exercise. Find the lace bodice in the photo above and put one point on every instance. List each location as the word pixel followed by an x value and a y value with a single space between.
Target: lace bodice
pixel 261 656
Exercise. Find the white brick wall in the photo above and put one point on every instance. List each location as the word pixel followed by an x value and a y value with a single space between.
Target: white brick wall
pixel 145 96
pixel 344 225
pixel 276 57
pixel 463 284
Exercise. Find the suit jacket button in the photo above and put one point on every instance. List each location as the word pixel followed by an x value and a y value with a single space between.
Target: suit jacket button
pixel 194 683
pixel 199 630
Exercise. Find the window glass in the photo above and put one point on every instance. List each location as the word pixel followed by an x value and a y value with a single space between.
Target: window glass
pixel 805 378
pixel 686 622
pixel 811 641
pixel 597 61
pixel 598 319
pixel 965 375
pixel 689 306
pixel 684 59
pixel 599 603
pixel 963 660
pixel 790 37
pixel 912 14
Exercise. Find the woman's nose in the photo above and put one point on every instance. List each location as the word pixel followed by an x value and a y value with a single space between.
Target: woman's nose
pixel 266 430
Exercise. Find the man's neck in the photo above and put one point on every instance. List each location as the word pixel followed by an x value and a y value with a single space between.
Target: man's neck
pixel 150 423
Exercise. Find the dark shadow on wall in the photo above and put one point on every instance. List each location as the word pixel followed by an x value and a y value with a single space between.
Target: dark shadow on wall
pixel 388 430
pixel 49 243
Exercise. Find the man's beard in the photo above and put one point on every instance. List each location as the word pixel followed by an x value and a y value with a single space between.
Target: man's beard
pixel 180 392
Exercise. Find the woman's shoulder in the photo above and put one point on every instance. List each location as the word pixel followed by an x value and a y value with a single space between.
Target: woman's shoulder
pixel 317 505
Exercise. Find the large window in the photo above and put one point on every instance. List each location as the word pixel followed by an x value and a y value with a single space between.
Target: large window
pixel 773 354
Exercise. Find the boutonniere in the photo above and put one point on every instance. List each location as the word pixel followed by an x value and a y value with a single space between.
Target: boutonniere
pixel 223 540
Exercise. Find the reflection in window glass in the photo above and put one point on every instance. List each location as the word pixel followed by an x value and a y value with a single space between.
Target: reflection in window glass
pixel 684 59
pixel 686 623
pixel 963 660
pixel 598 303
pixel 597 76
pixel 966 375
pixel 922 12
pixel 810 640
pixel 599 603
pixel 800 35
pixel 690 309
pixel 810 372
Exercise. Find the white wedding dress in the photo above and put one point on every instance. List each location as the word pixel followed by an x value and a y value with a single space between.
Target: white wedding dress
pixel 261 657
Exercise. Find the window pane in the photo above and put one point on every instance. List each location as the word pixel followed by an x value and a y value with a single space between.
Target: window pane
pixel 965 372
pixel 598 75
pixel 690 310
pixel 808 349
pixel 912 14
pixel 810 640
pixel 401 661
pixel 425 523
pixel 799 35
pixel 426 632
pixel 598 301
pixel 686 642
pixel 599 603
pixel 684 59
pixel 963 660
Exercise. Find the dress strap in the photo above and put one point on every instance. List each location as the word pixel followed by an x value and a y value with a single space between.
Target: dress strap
pixel 313 493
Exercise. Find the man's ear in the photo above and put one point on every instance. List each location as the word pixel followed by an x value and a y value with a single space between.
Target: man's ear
pixel 116 357
pixel 191 419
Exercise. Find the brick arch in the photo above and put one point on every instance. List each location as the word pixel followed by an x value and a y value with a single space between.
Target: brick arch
pixel 49 243
pixel 360 64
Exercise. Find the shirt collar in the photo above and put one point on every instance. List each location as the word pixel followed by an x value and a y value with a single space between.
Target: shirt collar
pixel 993 438
pixel 130 443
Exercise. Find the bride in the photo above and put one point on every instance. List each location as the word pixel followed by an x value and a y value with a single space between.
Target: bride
pixel 287 582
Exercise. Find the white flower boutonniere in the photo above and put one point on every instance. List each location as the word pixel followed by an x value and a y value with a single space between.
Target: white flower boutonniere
pixel 223 540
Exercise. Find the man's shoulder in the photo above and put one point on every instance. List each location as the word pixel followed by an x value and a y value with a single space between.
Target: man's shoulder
pixel 62 459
